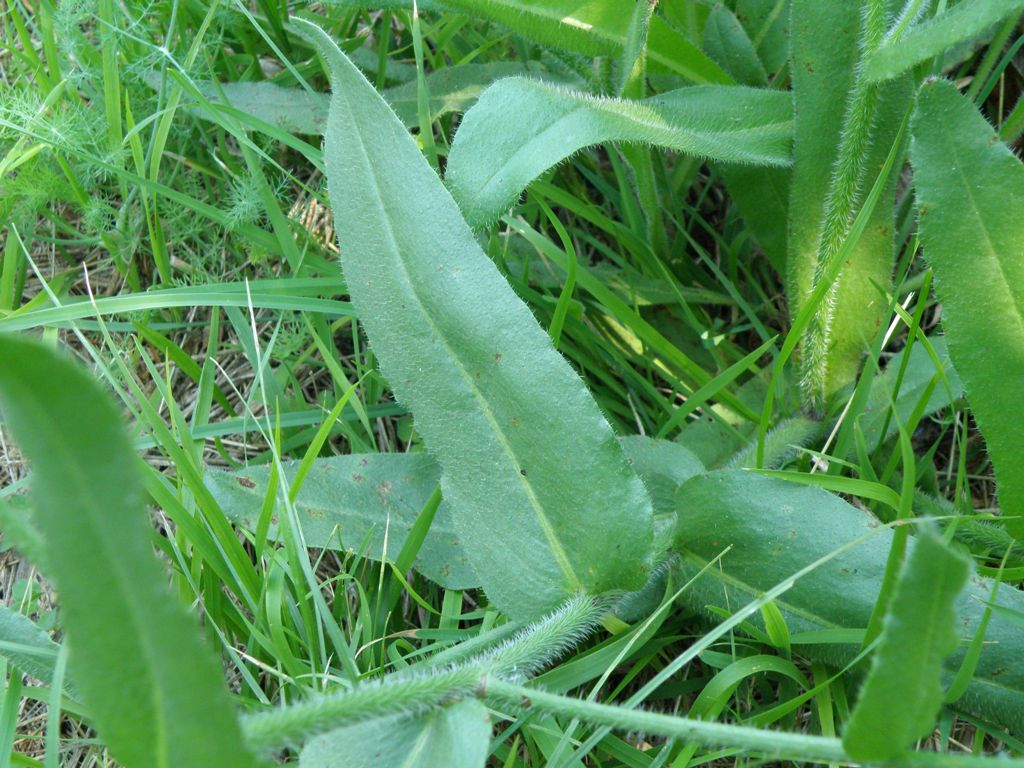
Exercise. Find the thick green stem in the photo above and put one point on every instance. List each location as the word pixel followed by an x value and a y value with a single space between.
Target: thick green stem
pixel 795 745
pixel 779 744
pixel 406 694
pixel 525 653
pixel 841 207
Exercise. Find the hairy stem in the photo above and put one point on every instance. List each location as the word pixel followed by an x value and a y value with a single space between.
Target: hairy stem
pixel 841 206
pixel 523 654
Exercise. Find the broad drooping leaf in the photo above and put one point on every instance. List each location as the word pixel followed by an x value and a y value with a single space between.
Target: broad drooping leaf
pixel 519 128
pixel 970 199
pixel 596 28
pixel 154 692
pixel 919 632
pixel 366 502
pixel 775 528
pixel 824 60
pixel 296 110
pixel 960 22
pixel 541 494
pixel 457 736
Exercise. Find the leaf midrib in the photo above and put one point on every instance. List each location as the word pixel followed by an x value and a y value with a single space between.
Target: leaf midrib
pixel 560 556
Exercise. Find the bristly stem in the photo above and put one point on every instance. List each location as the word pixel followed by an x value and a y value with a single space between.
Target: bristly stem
pixel 841 206
pixel 528 651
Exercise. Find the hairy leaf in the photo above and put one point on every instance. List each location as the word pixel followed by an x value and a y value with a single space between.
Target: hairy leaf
pixel 775 528
pixel 153 690
pixel 970 198
pixel 961 22
pixel 919 632
pixel 457 736
pixel 519 128
pixel 487 388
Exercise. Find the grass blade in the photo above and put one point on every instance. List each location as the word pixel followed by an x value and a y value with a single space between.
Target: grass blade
pixel 154 691
pixel 920 630
pixel 519 128
pixel 971 208
pixel 432 301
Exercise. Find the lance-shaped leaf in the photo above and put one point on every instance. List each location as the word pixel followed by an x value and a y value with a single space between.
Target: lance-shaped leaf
pixel 775 528
pixel 520 128
pixel 961 22
pixel 457 736
pixel 541 494
pixel 154 691
pixel 970 199
pixel 919 632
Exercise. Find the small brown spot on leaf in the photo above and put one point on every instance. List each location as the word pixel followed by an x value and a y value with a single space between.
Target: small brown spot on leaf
pixel 497 357
pixel 515 422
pixel 358 478
pixel 245 482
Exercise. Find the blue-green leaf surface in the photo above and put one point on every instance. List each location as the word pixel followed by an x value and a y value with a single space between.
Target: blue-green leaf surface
pixel 519 128
pixel 970 200
pixel 537 482
pixel 154 691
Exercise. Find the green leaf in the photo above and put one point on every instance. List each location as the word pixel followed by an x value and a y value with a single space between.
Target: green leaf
pixel 761 196
pixel 153 689
pixel 970 199
pixel 519 128
pixel 726 41
pixel 358 503
pixel 296 110
pixel 825 40
pixel 27 646
pixel 920 631
pixel 767 24
pixel 774 528
pixel 457 736
pixel 595 28
pixel 917 379
pixel 537 482
pixel 961 22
